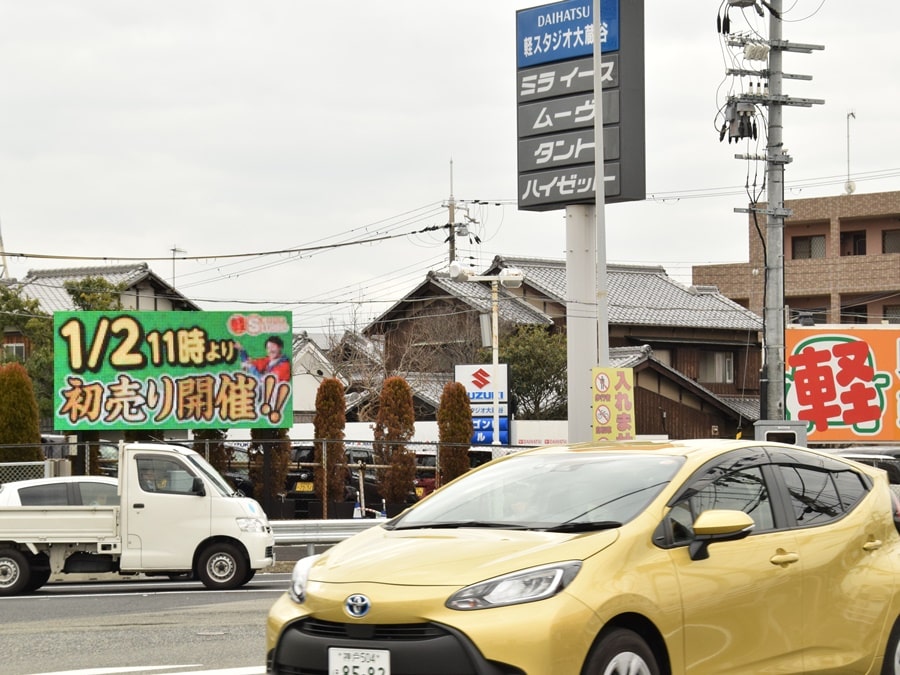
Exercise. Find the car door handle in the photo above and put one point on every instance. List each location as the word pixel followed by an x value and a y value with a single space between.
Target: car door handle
pixel 138 506
pixel 784 558
pixel 873 545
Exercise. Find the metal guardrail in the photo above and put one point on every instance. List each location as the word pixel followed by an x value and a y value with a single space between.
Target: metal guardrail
pixel 312 532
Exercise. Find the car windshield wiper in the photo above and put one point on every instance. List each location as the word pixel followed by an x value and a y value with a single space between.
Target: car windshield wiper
pixel 460 523
pixel 585 526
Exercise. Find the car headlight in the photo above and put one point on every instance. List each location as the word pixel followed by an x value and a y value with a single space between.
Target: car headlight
pixel 251 525
pixel 299 578
pixel 536 583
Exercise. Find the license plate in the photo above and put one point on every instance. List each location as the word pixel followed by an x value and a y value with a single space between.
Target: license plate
pixel 304 486
pixel 358 661
pixel 420 491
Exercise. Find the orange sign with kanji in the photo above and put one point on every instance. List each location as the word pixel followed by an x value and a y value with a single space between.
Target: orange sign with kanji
pixel 842 380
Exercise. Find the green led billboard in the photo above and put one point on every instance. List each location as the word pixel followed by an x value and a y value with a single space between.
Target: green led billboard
pixel 171 370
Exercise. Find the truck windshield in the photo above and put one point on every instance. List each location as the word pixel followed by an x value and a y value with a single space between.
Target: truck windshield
pixel 211 474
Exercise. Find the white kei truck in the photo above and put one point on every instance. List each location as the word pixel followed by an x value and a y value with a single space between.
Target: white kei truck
pixel 176 517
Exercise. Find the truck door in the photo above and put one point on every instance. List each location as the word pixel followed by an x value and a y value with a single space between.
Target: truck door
pixel 167 519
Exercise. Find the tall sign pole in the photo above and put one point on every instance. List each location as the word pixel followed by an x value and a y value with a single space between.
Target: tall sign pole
pixel 602 292
pixel 581 144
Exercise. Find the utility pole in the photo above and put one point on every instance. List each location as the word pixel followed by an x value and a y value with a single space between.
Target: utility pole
pixel 4 270
pixel 451 207
pixel 455 229
pixel 740 123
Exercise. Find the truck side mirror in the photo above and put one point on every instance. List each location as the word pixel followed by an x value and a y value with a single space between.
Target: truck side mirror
pixel 197 487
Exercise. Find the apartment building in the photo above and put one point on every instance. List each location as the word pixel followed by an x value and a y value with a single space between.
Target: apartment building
pixel 842 261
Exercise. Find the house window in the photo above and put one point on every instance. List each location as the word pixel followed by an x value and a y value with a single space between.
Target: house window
pixel 808 247
pixel 892 313
pixel 717 367
pixel 14 351
pixel 890 241
pixel 853 243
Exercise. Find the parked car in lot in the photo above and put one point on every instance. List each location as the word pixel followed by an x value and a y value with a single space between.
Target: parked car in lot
pixel 61 491
pixel 884 457
pixel 698 557
pixel 237 470
pixel 427 469
pixel 109 458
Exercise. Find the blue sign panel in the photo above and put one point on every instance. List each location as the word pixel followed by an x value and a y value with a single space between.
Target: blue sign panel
pixel 487 423
pixel 564 30
pixel 487 438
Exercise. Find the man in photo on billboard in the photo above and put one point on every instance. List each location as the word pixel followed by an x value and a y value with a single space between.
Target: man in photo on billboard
pixel 273 363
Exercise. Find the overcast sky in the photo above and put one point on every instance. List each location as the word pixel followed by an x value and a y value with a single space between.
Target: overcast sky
pixel 129 129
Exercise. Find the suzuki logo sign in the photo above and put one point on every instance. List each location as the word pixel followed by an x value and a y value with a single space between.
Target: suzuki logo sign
pixel 481 378
pixel 481 383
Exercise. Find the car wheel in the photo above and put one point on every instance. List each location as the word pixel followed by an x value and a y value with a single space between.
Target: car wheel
pixel 892 653
pixel 622 652
pixel 222 567
pixel 15 572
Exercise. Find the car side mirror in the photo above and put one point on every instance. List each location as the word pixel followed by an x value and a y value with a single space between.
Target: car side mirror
pixel 197 487
pixel 715 526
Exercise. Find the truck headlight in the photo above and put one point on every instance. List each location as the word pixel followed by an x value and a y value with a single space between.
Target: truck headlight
pixel 536 583
pixel 299 578
pixel 251 525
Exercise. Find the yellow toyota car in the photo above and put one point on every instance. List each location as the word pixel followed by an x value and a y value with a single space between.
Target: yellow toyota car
pixel 613 559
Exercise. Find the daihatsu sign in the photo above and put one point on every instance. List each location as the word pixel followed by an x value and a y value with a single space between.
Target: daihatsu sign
pixel 555 96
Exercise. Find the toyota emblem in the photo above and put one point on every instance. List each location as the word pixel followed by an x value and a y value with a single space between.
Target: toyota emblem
pixel 357 605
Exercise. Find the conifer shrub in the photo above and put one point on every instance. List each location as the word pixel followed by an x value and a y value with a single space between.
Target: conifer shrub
pixel 394 426
pixel 20 430
pixel 454 418
pixel 328 425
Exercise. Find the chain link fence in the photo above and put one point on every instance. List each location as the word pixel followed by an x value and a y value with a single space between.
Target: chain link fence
pixel 297 497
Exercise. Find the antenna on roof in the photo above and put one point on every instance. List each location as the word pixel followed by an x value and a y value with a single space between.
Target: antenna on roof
pixel 175 250
pixel 4 273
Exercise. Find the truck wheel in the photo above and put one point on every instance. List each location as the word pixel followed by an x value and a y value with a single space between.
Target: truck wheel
pixel 222 567
pixel 40 572
pixel 15 572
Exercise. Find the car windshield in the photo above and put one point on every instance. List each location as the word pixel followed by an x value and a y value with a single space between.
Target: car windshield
pixel 562 492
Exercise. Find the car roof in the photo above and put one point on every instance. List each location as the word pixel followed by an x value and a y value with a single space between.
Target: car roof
pixel 869 456
pixel 696 451
pixel 891 450
pixel 702 447
pixel 19 484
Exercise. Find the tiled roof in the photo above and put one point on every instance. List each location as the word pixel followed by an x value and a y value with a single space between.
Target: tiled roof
pixel 629 357
pixel 642 295
pixel 429 387
pixel 476 295
pixel 48 286
pixel 747 406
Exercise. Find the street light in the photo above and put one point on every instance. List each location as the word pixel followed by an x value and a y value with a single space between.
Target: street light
pixel 509 277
